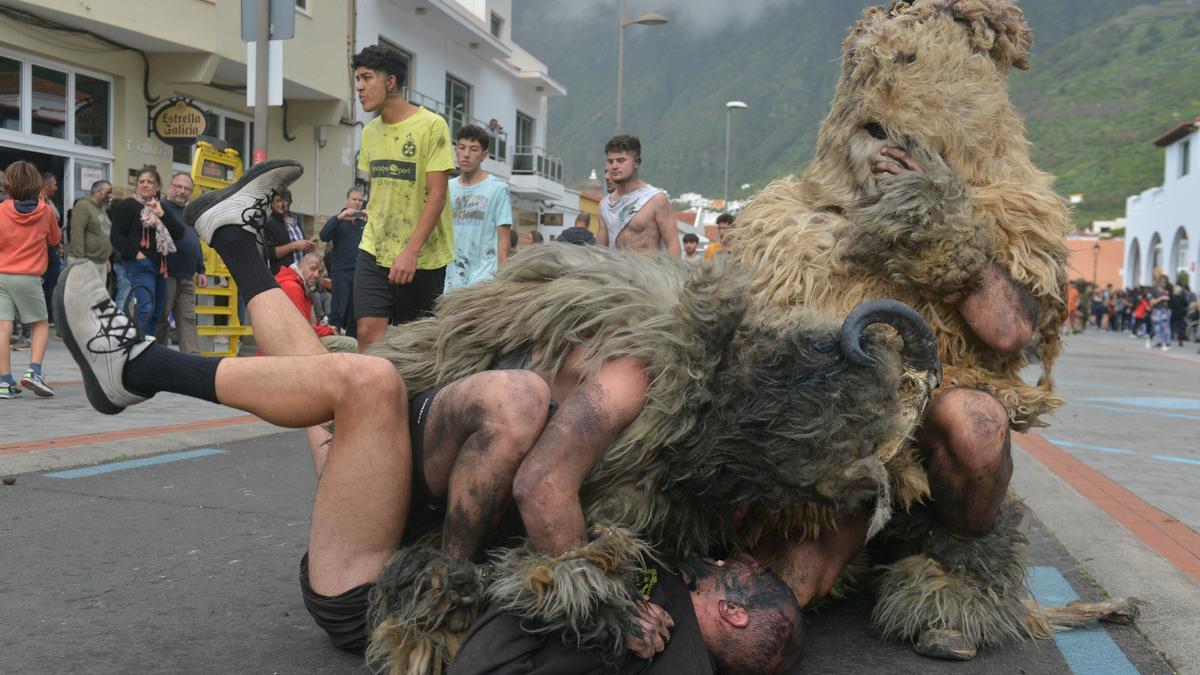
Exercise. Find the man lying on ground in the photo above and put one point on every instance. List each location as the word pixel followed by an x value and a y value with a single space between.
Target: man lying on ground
pixel 728 616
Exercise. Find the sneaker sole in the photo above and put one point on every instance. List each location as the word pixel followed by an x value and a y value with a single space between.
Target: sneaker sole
pixel 39 389
pixel 197 207
pixel 91 386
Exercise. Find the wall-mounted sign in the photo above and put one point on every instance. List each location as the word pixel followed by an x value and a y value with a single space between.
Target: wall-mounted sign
pixel 178 121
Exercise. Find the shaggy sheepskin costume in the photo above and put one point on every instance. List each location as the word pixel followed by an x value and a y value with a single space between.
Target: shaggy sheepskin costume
pixel 927 76
pixel 763 419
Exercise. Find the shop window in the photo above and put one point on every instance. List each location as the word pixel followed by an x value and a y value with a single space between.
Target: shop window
pixel 91 111
pixel 10 94
pixel 49 102
pixel 458 104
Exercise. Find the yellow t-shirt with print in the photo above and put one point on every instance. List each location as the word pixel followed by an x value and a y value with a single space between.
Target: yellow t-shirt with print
pixel 397 157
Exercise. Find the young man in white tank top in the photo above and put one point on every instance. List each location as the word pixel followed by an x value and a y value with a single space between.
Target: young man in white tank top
pixel 635 215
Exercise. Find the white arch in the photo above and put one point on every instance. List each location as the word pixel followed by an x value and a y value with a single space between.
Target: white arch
pixel 1154 256
pixel 1133 267
pixel 1179 250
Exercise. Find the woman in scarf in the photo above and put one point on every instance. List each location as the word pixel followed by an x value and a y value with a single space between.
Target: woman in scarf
pixel 143 235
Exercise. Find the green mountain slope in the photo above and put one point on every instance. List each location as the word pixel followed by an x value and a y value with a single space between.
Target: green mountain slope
pixel 1108 75
pixel 1094 103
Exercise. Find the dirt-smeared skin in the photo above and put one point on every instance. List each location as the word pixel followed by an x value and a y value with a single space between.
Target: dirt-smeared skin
pixel 970 462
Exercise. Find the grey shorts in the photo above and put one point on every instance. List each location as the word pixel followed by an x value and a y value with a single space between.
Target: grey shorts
pixel 21 296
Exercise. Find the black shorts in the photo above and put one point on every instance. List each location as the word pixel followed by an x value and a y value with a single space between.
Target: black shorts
pixel 343 617
pixel 423 501
pixel 376 297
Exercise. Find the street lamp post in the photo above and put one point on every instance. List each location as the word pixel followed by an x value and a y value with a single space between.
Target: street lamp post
pixel 729 108
pixel 647 19
pixel 1095 263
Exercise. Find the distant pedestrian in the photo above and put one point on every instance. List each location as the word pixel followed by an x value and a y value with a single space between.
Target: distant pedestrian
pixel 185 273
pixel 532 237
pixel 144 234
pixel 344 231
pixel 481 211
pixel 1178 304
pixel 724 236
pixel 283 234
pixel 90 228
pixel 56 253
pixel 1160 318
pixel 691 243
pixel 28 228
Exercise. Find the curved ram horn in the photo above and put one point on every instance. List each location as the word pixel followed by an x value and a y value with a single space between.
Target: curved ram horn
pixel 920 346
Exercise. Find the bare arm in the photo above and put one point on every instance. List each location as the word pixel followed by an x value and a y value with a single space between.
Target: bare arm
pixel 502 241
pixel 405 264
pixel 601 232
pixel 664 218
pixel 546 488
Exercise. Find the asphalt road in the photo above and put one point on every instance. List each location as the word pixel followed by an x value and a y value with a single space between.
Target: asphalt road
pixel 191 566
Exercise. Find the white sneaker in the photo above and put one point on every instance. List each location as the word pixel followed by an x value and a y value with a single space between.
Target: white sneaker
pixel 1149 344
pixel 246 203
pixel 1165 348
pixel 100 337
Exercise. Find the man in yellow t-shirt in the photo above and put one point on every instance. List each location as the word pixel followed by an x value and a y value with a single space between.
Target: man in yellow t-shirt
pixel 409 237
pixel 724 229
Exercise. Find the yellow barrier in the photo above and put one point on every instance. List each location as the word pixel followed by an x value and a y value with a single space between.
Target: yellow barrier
pixel 214 169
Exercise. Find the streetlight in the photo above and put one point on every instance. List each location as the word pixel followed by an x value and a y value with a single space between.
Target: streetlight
pixel 729 108
pixel 1095 262
pixel 647 19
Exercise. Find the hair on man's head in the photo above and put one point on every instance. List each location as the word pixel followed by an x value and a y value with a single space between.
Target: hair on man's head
pixel 383 60
pixel 691 238
pixel 22 180
pixel 470 132
pixel 583 220
pixel 624 143
pixel 536 237
pixel 357 188
pixel 725 218
pixel 771 643
pixel 98 187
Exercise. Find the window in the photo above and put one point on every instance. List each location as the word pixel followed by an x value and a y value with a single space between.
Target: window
pixel 458 104
pixel 10 94
pixel 1185 151
pixel 34 101
pixel 91 111
pixel 407 57
pixel 497 25
pixel 49 102
pixel 523 155
pixel 302 5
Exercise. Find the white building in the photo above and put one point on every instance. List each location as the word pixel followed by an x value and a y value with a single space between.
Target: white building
pixel 1163 234
pixel 464 66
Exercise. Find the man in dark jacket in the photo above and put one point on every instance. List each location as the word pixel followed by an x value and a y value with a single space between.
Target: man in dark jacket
pixel 184 265
pixel 344 231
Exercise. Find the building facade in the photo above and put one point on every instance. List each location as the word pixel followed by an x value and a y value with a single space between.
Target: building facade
pixel 1163 232
pixel 463 65
pixel 116 60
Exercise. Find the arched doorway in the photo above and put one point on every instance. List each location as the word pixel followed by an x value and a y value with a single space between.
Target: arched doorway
pixel 1179 254
pixel 1155 255
pixel 1133 266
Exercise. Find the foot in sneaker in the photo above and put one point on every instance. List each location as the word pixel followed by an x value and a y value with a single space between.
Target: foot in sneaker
pixel 100 337
pixel 9 390
pixel 246 203
pixel 36 383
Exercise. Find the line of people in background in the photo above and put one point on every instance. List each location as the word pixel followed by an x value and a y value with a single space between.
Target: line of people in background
pixel 1162 314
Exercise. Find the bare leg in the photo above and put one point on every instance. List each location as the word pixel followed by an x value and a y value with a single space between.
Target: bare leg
pixel 480 429
pixel 966 434
pixel 6 331
pixel 370 329
pixel 38 340
pixel 811 567
pixel 363 494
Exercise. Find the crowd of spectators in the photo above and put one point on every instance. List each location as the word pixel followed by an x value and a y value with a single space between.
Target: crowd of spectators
pixel 1163 314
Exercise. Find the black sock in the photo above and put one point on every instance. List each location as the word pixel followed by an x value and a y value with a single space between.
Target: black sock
pixel 239 251
pixel 160 369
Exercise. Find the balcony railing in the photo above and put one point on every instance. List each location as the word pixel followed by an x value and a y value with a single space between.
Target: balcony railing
pixel 528 159
pixel 497 148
